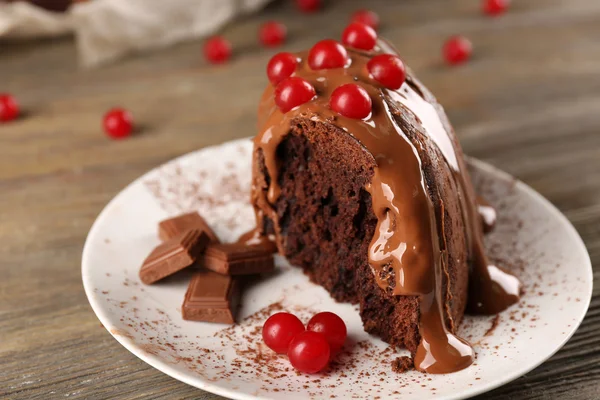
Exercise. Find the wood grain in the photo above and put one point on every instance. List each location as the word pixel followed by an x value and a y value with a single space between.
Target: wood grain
pixel 528 102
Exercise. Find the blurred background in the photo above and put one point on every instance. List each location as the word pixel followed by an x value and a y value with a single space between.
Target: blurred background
pixel 521 87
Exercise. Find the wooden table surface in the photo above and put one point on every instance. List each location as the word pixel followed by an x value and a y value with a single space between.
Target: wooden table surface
pixel 528 102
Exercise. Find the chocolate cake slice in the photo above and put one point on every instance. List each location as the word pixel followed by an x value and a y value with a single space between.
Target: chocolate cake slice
pixel 380 210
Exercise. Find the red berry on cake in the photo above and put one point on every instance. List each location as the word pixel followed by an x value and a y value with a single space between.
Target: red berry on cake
pixel 388 70
pixel 272 34
pixel 495 7
pixel 292 92
pixel 457 50
pixel 309 6
pixel 351 100
pixel 9 108
pixel 217 50
pixel 359 36
pixel 118 123
pixel 327 54
pixel 366 17
pixel 281 66
pixel 331 326
pixel 309 352
pixel 279 330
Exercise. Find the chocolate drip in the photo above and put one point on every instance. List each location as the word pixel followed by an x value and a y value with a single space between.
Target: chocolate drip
pixel 406 253
pixel 487 213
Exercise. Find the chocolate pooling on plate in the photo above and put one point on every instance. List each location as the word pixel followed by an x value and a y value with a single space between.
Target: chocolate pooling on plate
pixel 408 252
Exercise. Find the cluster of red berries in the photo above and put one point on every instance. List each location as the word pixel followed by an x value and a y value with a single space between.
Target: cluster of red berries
pixel 218 50
pixel 350 100
pixel 456 50
pixel 308 349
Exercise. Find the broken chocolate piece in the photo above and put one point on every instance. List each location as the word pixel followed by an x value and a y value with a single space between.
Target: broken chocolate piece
pixel 211 297
pixel 169 228
pixel 173 255
pixel 237 259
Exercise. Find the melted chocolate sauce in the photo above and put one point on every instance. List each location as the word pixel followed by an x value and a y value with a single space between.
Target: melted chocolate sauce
pixel 406 240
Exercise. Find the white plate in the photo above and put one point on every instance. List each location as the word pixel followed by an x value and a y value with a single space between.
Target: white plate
pixel 532 239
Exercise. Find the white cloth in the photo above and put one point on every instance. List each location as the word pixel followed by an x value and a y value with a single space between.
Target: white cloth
pixel 108 29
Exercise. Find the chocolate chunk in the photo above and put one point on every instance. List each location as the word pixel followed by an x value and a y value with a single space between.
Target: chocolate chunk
pixel 211 297
pixel 173 255
pixel 237 259
pixel 169 228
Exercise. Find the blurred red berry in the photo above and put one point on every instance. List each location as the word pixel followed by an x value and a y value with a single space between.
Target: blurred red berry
pixel 495 7
pixel 9 109
pixel 281 66
pixel 327 54
pixel 359 36
pixel 272 34
pixel 118 123
pixel 217 50
pixel 366 17
pixel 457 50
pixel 309 6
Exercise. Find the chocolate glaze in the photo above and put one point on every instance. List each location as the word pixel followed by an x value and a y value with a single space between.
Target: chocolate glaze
pixel 406 254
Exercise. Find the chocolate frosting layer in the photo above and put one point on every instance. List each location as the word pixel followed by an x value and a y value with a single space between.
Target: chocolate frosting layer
pixel 406 253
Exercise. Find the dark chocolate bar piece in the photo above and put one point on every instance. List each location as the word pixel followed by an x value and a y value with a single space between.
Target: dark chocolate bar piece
pixel 211 297
pixel 169 228
pixel 237 259
pixel 173 255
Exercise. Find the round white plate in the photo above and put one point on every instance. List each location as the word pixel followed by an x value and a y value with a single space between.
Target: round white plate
pixel 531 238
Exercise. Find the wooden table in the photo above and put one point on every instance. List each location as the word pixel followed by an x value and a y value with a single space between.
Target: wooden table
pixel 528 102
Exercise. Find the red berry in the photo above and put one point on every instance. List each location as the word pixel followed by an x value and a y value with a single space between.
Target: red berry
pixel 359 36
pixel 292 92
pixel 309 352
pixel 351 101
pixel 9 109
pixel 457 50
pixel 366 17
pixel 331 326
pixel 272 33
pixel 217 50
pixel 117 123
pixel 308 6
pixel 495 7
pixel 279 330
pixel 281 66
pixel 327 54
pixel 388 70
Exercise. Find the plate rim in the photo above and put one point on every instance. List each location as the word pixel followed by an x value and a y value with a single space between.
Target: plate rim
pixel 232 394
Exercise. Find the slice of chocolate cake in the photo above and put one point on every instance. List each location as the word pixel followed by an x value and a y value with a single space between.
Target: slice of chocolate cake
pixel 358 174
